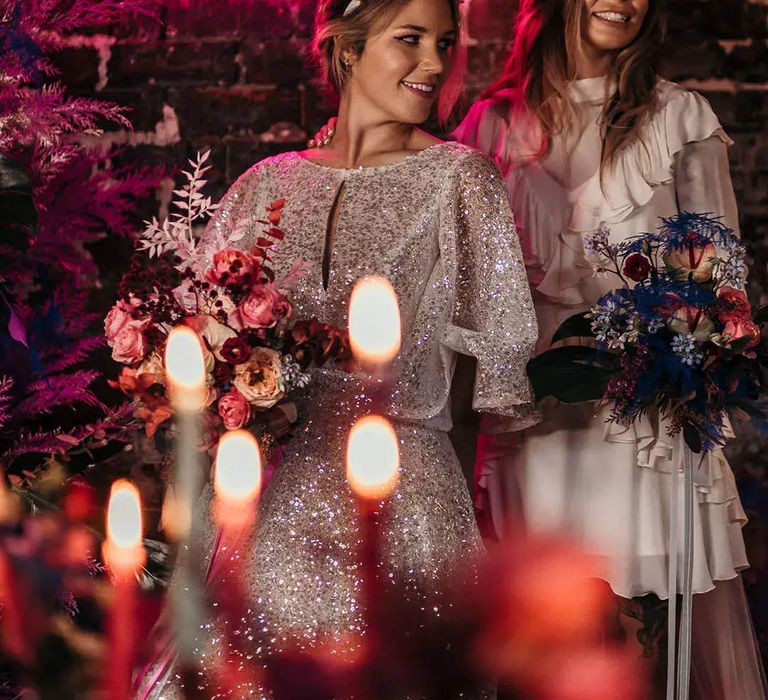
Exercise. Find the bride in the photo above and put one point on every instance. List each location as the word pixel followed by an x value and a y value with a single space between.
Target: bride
pixel 433 218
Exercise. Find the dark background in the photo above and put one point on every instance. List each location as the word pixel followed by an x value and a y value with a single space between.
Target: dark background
pixel 232 76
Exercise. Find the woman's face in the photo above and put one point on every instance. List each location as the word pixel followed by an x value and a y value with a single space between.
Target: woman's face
pixel 611 25
pixel 400 71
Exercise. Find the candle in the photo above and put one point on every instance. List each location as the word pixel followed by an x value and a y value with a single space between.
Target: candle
pixel 185 368
pixel 237 483
pixel 373 459
pixel 373 469
pixel 237 479
pixel 124 555
pixel 374 322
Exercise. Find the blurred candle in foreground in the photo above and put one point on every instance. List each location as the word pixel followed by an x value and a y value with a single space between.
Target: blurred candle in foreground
pixel 373 469
pixel 374 322
pixel 124 555
pixel 185 369
pixel 237 479
pixel 123 552
pixel 373 458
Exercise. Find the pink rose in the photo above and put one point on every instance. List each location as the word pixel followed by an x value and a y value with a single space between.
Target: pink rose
pixel 120 314
pixel 738 328
pixel 260 308
pixel 129 345
pixel 234 410
pixel 229 265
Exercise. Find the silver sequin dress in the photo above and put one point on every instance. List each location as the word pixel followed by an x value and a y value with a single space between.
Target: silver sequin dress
pixel 437 225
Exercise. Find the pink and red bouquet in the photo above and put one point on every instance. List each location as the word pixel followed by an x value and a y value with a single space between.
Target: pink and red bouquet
pixel 256 352
pixel 679 334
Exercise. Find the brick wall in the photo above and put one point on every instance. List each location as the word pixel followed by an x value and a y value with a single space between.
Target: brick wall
pixel 232 75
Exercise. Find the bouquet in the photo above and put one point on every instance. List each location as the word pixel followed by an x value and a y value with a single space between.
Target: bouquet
pixel 256 353
pixel 678 334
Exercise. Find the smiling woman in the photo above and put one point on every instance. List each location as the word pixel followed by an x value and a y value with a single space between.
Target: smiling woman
pixel 432 218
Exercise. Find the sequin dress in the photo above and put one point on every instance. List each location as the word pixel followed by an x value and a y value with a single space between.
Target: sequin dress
pixel 437 225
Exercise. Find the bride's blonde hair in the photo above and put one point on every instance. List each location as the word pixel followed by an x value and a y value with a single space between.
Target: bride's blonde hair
pixel 547 37
pixel 335 31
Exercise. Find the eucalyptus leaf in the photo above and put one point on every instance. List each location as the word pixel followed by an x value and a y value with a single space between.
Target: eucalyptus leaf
pixel 571 374
pixel 576 326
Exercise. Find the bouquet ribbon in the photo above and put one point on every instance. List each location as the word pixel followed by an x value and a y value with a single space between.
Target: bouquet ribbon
pixel 681 648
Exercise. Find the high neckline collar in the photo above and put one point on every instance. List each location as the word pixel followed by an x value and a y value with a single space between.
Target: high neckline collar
pixel 593 90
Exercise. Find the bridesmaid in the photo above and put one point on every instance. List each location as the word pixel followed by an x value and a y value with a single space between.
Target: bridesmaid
pixel 588 135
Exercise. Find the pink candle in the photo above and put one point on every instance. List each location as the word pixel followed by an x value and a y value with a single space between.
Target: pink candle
pixel 124 555
pixel 373 469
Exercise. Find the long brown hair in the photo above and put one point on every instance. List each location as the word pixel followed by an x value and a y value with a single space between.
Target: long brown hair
pixel 335 32
pixel 547 37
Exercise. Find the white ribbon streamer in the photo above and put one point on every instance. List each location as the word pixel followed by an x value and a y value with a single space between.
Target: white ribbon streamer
pixel 680 651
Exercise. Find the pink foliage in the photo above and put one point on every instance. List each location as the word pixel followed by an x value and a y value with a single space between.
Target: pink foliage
pixel 80 199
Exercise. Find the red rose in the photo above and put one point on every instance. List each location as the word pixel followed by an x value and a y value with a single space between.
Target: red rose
pixel 234 410
pixel 637 267
pixel 258 308
pixel 733 304
pixel 235 350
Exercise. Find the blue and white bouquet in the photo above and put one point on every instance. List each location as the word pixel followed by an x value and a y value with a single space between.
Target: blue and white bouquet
pixel 678 334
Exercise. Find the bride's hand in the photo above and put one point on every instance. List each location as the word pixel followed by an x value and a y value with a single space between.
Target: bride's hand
pixel 324 136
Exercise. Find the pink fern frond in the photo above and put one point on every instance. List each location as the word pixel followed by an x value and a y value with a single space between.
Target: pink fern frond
pixel 59 390
pixel 6 386
pixel 40 442
pixel 75 354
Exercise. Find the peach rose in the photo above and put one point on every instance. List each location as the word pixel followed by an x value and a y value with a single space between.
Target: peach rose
pixel 214 333
pixel 234 410
pixel 129 345
pixel 260 308
pixel 229 265
pixel 260 379
pixel 692 260
pixel 153 366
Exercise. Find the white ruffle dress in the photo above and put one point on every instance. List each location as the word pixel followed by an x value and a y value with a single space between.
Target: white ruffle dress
pixel 605 486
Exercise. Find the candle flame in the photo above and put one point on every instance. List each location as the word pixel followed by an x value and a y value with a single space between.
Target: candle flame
pixel 374 321
pixel 238 467
pixel 184 361
pixel 124 515
pixel 373 458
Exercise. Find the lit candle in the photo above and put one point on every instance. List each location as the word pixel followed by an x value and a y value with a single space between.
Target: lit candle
pixel 374 322
pixel 236 483
pixel 124 555
pixel 373 459
pixel 185 369
pixel 373 469
pixel 237 480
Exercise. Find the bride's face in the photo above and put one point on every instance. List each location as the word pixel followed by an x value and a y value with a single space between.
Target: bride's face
pixel 612 25
pixel 403 65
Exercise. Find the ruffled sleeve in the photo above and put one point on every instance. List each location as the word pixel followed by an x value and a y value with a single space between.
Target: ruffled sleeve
pixel 539 204
pixel 684 117
pixel 493 318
